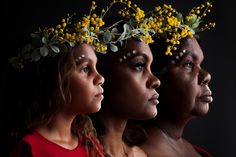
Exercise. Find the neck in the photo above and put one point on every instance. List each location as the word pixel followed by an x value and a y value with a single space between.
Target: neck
pixel 59 129
pixel 172 128
pixel 112 140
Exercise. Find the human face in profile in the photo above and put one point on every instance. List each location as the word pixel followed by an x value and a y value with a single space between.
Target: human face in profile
pixel 185 89
pixel 85 82
pixel 130 83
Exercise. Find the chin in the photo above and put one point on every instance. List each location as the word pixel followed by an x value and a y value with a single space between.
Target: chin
pixel 202 110
pixel 148 115
pixel 95 108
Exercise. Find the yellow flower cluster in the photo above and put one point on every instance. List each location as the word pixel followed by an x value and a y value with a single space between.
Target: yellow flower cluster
pixel 163 21
pixel 144 25
pixel 84 31
pixel 177 27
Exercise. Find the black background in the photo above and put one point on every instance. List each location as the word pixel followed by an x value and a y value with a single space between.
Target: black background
pixel 215 132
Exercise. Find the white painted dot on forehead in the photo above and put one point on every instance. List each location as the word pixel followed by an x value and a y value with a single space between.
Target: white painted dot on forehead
pixel 79 58
pixel 177 57
pixel 129 54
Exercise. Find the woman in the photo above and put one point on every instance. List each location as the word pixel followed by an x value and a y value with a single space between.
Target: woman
pixel 184 94
pixel 129 94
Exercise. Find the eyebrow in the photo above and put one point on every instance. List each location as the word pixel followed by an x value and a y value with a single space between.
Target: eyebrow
pixel 85 59
pixel 137 54
pixel 190 53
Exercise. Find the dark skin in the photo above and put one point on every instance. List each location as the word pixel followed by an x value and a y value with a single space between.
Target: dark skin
pixel 130 94
pixel 186 83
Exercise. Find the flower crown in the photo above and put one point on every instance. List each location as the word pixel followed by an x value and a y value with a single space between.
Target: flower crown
pixel 178 27
pixel 162 22
pixel 48 42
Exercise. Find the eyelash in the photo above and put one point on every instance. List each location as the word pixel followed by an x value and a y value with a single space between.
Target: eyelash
pixel 86 69
pixel 188 64
pixel 140 66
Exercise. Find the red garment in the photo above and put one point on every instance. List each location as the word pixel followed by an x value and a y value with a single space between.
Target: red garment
pixel 201 151
pixel 41 147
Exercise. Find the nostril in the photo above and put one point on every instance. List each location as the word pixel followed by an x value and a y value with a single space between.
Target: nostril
pixel 156 84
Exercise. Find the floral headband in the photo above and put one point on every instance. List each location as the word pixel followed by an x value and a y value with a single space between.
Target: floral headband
pixel 48 42
pixel 178 27
pixel 162 22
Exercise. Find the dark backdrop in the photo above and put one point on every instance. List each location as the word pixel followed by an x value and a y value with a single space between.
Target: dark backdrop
pixel 215 132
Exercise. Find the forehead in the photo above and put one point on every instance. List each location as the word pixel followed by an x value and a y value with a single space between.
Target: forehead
pixel 84 49
pixel 139 46
pixel 191 45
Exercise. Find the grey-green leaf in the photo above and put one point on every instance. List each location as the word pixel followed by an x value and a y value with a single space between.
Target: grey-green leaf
pixel 27 48
pixel 107 37
pixel 44 40
pixel 192 20
pixel 43 51
pixel 180 17
pixel 35 55
pixel 121 43
pixel 133 22
pixel 114 30
pixel 113 48
pixel 54 48
pixel 34 35
pixel 127 28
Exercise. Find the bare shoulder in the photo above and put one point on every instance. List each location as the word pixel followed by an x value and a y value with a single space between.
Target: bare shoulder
pixel 137 152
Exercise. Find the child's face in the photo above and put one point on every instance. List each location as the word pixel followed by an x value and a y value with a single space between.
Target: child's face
pixel 186 83
pixel 131 88
pixel 85 82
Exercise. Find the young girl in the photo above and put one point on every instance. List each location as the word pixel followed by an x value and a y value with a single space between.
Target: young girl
pixel 67 88
pixel 63 86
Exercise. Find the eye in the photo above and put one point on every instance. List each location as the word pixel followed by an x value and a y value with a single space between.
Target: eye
pixel 188 64
pixel 86 69
pixel 139 66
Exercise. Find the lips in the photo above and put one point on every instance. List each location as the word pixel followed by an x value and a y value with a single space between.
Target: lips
pixel 154 99
pixel 100 94
pixel 206 97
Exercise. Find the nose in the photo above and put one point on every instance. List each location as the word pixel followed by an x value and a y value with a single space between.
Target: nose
pixel 204 77
pixel 99 79
pixel 153 82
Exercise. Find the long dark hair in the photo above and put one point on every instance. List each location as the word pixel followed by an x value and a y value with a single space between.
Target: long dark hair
pixel 45 90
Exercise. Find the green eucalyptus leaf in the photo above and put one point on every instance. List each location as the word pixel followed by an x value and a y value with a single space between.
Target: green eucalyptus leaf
pixel 107 36
pixel 192 31
pixel 103 52
pixel 114 30
pixel 113 48
pixel 180 17
pixel 121 36
pixel 55 48
pixel 35 56
pixel 121 43
pixel 44 40
pixel 33 35
pixel 27 48
pixel 133 22
pixel 192 20
pixel 86 29
pixel 26 56
pixel 195 25
pixel 128 28
pixel 44 51
pixel 71 44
